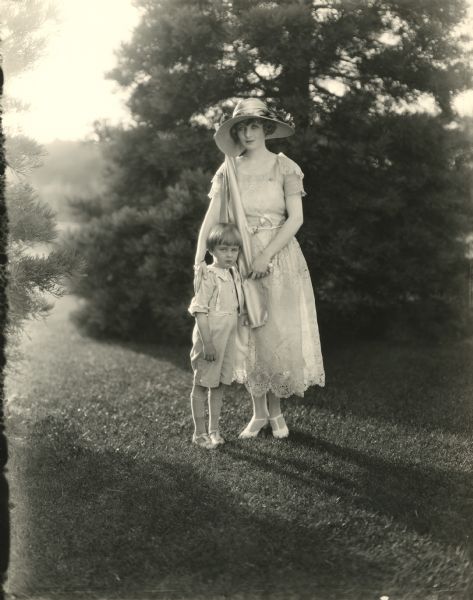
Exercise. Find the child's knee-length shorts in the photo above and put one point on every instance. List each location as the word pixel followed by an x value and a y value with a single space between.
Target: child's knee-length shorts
pixel 223 327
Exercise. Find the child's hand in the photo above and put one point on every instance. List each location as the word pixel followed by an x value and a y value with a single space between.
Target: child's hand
pixel 243 320
pixel 210 353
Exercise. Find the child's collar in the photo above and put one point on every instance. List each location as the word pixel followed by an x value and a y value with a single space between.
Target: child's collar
pixel 222 272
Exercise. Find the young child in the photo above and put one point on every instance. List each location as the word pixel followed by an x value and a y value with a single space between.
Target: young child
pixel 216 307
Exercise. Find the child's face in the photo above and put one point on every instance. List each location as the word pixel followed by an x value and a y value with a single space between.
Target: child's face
pixel 225 256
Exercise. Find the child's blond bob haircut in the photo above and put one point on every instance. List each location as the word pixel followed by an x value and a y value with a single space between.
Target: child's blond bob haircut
pixel 223 234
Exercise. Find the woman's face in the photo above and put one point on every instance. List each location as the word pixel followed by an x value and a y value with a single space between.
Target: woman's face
pixel 250 134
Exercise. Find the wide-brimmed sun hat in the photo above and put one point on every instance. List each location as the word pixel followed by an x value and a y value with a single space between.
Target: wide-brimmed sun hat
pixel 248 109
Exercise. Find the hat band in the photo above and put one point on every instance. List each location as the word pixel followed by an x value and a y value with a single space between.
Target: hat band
pixel 253 112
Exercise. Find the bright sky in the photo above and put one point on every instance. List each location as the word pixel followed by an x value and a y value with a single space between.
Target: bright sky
pixel 66 89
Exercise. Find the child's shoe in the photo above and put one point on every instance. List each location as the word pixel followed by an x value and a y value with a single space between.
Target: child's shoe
pixel 253 428
pixel 203 440
pixel 279 427
pixel 216 438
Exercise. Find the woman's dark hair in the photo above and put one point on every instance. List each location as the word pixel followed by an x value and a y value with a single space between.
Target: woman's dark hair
pixel 223 234
pixel 268 126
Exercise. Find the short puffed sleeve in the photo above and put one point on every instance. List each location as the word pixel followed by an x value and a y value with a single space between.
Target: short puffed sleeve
pixel 201 301
pixel 216 183
pixel 292 176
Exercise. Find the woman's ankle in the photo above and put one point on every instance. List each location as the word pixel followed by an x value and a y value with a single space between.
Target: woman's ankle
pixel 274 405
pixel 260 407
pixel 260 415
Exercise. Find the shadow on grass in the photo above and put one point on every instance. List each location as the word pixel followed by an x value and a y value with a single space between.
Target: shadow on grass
pixel 426 500
pixel 426 385
pixel 419 385
pixel 104 521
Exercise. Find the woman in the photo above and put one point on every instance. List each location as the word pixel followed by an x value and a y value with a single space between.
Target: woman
pixel 283 357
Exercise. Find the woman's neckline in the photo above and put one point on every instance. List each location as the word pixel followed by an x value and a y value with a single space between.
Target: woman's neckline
pixel 243 172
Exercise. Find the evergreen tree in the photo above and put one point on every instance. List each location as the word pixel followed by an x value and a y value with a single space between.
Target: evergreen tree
pixel 138 261
pixel 32 276
pixel 388 207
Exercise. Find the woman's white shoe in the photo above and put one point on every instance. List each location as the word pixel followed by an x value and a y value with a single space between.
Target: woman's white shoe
pixel 279 427
pixel 253 428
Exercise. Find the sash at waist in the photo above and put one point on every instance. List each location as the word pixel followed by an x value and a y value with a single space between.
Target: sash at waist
pixel 262 223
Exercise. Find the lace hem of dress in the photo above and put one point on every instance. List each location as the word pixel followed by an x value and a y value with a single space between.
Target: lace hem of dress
pixel 278 389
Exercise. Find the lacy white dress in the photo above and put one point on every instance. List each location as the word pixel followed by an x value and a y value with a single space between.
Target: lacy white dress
pixel 284 355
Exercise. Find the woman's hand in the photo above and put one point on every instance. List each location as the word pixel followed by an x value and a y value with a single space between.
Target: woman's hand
pixel 260 266
pixel 200 272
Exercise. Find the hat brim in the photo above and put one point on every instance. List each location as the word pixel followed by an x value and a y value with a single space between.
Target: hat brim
pixel 228 146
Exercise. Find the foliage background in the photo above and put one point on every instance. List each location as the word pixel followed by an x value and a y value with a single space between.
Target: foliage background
pixel 387 162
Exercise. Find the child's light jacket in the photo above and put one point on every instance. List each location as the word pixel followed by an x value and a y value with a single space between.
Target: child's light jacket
pixel 219 296
pixel 220 292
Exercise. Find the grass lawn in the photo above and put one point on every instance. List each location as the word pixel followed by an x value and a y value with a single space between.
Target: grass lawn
pixel 371 495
